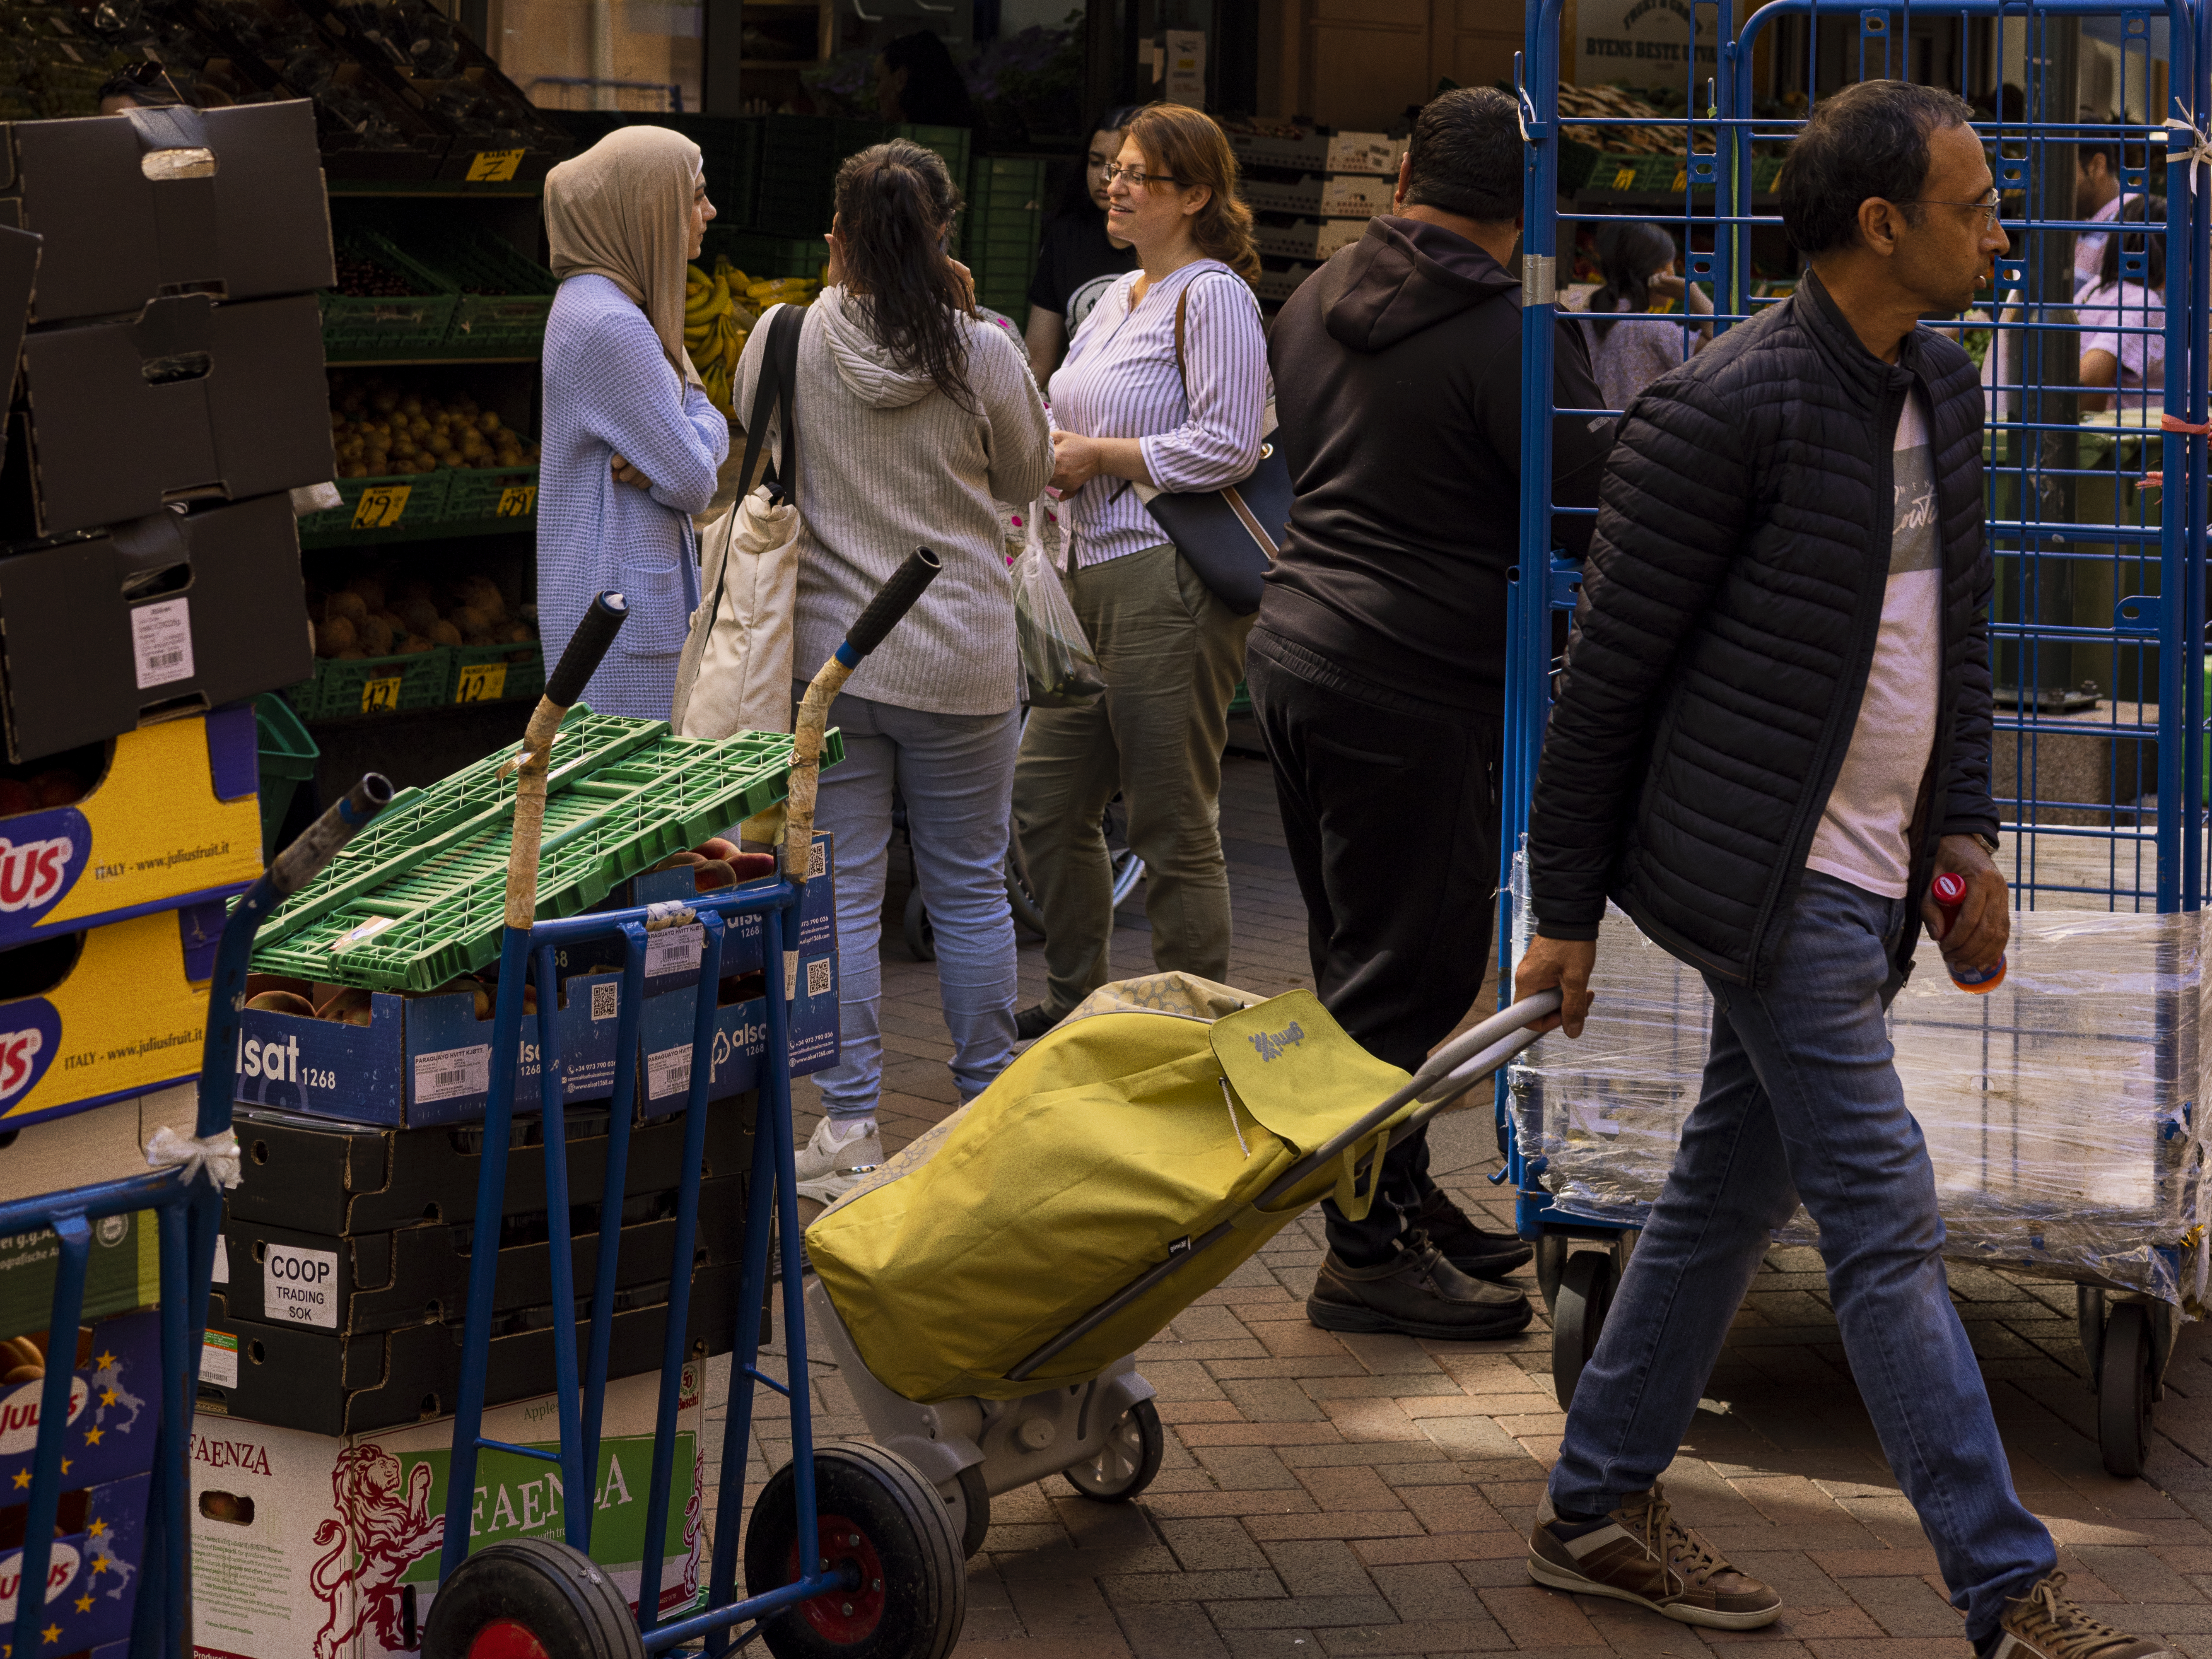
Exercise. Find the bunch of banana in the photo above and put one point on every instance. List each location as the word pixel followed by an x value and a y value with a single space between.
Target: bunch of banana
pixel 782 290
pixel 714 328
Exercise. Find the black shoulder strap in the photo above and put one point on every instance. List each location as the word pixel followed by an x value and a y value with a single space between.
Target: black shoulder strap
pixel 779 375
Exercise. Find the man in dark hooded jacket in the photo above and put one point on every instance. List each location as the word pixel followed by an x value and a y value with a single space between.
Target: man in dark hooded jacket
pixel 1378 666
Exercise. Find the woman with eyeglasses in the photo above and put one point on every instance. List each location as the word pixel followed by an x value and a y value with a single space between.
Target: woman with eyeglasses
pixel 1080 257
pixel 1165 384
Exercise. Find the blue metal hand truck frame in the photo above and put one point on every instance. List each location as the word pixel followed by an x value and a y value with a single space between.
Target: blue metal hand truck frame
pixel 186 1197
pixel 882 1576
pixel 2037 532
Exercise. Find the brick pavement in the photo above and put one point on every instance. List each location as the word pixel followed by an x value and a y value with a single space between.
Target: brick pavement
pixel 1358 1497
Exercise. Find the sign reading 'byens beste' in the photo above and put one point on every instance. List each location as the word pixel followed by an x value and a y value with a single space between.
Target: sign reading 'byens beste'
pixel 1646 43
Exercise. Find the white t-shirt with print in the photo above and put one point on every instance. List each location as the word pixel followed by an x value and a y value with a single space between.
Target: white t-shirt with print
pixel 1863 833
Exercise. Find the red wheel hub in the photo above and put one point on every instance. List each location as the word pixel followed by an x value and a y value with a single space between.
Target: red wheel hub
pixel 507 1638
pixel 841 1616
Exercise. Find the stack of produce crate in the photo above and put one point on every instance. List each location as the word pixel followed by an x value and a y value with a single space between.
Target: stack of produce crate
pixel 1312 193
pixel 149 588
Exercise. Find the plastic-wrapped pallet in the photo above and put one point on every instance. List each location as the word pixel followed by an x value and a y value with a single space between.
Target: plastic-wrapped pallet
pixel 2059 1109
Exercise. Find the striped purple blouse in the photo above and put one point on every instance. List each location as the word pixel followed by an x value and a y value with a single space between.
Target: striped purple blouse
pixel 1120 382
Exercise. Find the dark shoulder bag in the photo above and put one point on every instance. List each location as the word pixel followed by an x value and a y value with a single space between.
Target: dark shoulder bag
pixel 1229 535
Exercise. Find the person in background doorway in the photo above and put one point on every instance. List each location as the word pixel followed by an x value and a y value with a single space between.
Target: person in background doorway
pixel 2097 196
pixel 1641 267
pixel 1378 666
pixel 2123 341
pixel 913 416
pixel 1125 411
pixel 1080 257
pixel 917 82
pixel 631 442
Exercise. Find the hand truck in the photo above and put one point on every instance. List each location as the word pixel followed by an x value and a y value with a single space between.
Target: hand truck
pixel 850 1552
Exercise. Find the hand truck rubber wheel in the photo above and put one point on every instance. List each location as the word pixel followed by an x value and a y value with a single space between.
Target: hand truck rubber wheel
pixel 885 1525
pixel 2125 1388
pixel 920 937
pixel 968 1506
pixel 1578 1315
pixel 1125 1466
pixel 530 1599
pixel 1021 897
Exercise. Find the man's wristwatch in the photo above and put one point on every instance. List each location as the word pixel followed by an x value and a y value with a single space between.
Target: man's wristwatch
pixel 1989 843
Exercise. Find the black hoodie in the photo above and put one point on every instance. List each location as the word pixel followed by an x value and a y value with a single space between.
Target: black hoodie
pixel 1397 371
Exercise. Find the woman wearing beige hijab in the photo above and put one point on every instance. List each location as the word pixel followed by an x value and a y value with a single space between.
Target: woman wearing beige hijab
pixel 631 444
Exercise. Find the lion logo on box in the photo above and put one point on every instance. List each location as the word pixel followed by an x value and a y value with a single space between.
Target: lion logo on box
pixel 387 1528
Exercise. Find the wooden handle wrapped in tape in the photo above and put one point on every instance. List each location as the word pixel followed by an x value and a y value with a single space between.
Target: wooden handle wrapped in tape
pixel 563 687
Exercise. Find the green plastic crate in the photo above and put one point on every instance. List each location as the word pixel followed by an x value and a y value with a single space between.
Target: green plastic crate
pixel 497 673
pixel 418 897
pixel 346 690
pixel 760 257
pixel 288 756
pixel 1004 181
pixel 507 317
pixel 373 506
pixel 364 328
pixel 492 492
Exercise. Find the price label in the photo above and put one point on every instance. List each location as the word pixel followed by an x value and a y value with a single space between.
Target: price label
pixel 518 501
pixel 493 166
pixel 218 1359
pixel 379 697
pixel 380 506
pixel 1681 178
pixel 482 682
pixel 1624 180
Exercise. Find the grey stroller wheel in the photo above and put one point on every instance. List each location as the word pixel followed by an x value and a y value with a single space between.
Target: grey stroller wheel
pixel 967 1506
pixel 1125 1466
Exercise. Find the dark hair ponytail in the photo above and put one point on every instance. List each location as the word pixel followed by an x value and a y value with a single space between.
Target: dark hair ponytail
pixel 895 204
pixel 1628 254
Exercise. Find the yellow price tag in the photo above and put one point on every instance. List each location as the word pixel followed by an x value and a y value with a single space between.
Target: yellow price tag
pixel 380 506
pixel 1624 180
pixel 1681 178
pixel 482 682
pixel 379 697
pixel 493 166
pixel 518 501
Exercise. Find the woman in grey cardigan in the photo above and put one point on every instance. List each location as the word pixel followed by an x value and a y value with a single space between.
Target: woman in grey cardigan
pixel 912 418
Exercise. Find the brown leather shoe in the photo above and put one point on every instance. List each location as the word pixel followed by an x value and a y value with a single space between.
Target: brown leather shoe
pixel 1416 1293
pixel 1644 1554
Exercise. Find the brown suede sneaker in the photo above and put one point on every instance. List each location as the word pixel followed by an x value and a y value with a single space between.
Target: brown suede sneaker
pixel 1643 1554
pixel 1415 1294
pixel 2044 1625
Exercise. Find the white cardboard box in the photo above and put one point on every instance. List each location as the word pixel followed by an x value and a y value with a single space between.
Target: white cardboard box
pixel 307 1547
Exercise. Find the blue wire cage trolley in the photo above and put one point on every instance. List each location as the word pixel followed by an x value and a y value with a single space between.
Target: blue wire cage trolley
pixel 2096 508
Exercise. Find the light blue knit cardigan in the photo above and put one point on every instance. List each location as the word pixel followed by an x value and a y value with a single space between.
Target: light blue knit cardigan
pixel 610 391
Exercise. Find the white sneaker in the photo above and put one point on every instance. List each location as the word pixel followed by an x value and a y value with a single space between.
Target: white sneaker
pixel 837 1146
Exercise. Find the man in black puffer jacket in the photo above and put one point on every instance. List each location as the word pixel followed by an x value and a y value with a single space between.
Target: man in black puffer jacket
pixel 1773 730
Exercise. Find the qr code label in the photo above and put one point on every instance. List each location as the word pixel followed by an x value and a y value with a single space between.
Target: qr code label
pixel 818 977
pixel 605 1000
pixel 817 860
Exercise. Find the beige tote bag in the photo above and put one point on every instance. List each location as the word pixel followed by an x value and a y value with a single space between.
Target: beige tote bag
pixel 735 672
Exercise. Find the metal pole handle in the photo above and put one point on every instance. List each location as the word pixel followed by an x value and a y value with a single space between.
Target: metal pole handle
pixel 563 687
pixel 893 600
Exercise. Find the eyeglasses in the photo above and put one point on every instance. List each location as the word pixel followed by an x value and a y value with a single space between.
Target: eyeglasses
pixel 1136 178
pixel 1990 206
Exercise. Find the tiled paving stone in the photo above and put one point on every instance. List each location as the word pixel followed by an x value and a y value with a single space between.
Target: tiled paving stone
pixel 1328 1497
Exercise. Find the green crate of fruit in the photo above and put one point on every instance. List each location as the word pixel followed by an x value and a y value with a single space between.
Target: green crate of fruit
pixel 406 501
pixel 496 673
pixel 499 310
pixel 368 327
pixel 473 493
pixel 349 687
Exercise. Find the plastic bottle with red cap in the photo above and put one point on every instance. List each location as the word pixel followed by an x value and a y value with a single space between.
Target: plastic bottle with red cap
pixel 1949 892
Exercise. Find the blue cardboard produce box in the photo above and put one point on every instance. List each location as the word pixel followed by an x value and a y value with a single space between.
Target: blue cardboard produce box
pixel 92 1576
pixel 115 1410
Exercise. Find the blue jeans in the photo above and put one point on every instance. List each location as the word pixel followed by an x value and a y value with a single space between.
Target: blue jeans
pixel 1801 1099
pixel 956 773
